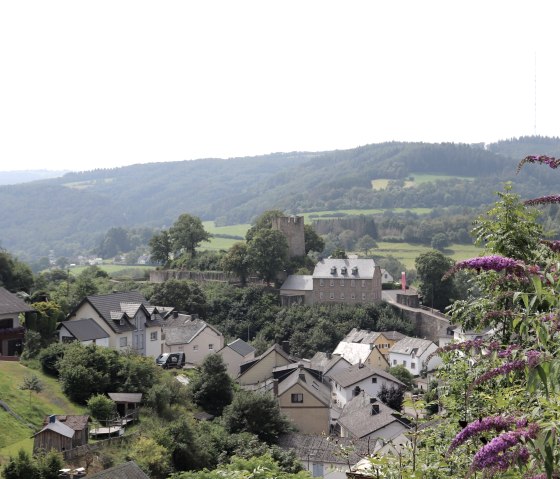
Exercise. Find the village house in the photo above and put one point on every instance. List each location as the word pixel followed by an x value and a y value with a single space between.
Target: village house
pixel 128 319
pixel 297 289
pixel 366 417
pixel 328 364
pixel 61 433
pixel 191 335
pixel 260 369
pixel 12 331
pixel 382 341
pixel 234 354
pixel 305 400
pixel 367 354
pixel 354 380
pixel 413 354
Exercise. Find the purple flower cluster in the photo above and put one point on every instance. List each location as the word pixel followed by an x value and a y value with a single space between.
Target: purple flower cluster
pixel 506 353
pixel 542 159
pixel 490 423
pixel 543 200
pixel 498 453
pixel 487 263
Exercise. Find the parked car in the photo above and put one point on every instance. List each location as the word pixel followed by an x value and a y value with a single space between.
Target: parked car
pixel 171 360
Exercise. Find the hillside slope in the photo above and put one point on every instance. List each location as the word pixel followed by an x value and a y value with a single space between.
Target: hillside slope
pixel 68 214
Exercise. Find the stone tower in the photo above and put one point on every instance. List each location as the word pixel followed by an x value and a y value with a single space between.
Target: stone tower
pixel 292 227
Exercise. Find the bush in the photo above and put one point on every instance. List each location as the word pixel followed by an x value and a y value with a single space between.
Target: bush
pixel 101 407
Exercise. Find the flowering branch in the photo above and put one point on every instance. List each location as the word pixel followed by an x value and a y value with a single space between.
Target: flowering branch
pixel 488 263
pixel 543 200
pixel 542 159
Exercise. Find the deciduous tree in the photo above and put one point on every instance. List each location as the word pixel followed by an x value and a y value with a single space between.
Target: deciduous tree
pixel 186 234
pixel 268 250
pixel 436 290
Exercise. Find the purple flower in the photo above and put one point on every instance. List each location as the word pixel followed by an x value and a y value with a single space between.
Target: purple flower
pixel 543 160
pixel 543 200
pixel 498 453
pixel 487 263
pixel 490 423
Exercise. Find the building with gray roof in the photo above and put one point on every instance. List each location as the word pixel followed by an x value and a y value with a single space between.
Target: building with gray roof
pixel 85 331
pixel 11 331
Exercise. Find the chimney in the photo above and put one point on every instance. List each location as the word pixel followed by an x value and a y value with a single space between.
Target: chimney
pixel 275 387
pixel 286 346
pixel 329 355
pixel 403 281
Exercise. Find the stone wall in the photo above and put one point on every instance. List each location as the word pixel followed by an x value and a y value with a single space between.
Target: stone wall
pixel 292 227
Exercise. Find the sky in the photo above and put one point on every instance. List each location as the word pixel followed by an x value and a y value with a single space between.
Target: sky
pixel 103 84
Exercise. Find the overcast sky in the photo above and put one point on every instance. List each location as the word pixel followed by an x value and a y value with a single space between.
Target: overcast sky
pixel 101 84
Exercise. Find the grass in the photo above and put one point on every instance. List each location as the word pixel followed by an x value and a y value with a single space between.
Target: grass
pixel 419 179
pixel 118 270
pixel 13 433
pixel 406 253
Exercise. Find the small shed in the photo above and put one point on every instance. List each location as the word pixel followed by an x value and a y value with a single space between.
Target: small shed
pixel 127 404
pixel 128 470
pixel 62 432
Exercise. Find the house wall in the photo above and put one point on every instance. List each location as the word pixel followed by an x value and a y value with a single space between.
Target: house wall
pixel 263 369
pixel 64 333
pixel 343 395
pixel 205 343
pixel 311 416
pixel 153 347
pixel 14 338
pixel 48 440
pixel 348 290
pixel 376 360
pixel 233 360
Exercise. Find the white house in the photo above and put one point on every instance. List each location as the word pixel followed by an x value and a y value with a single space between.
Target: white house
pixel 413 354
pixel 354 380
pixel 234 354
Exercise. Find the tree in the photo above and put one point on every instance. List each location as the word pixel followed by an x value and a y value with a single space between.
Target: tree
pixel 313 242
pixel 403 375
pixel 263 222
pixel 14 275
pixel 48 314
pixel 365 243
pixel 183 295
pixel 101 407
pixel 238 261
pixel 212 389
pixel 339 253
pixel 255 413
pixel 268 250
pixel 161 248
pixel 440 241
pixel 31 384
pixel 21 467
pixel 116 241
pixel 392 396
pixel 49 464
pixel 151 457
pixel 186 234
pixel 436 291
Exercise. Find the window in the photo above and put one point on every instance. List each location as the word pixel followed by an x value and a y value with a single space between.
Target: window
pixel 341 295
pixel 6 323
pixel 153 336
pixel 332 282
pixel 404 363
pixel 363 283
pixel 363 296
pixel 374 380
pixel 341 282
pixel 297 398
pixel 195 347
pixel 331 296
pixel 321 295
pixel 210 346
pixel 412 365
pixel 394 362
pixel 122 341
pixel 352 283
pixel 353 296
pixel 321 282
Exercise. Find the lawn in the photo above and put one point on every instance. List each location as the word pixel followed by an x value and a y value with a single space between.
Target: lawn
pixel 33 409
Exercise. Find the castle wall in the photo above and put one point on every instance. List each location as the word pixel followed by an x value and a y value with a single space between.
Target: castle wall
pixel 292 228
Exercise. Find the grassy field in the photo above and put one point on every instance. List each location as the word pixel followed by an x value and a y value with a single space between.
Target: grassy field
pixel 118 271
pixel 317 215
pixel 419 179
pixel 13 433
pixel 407 252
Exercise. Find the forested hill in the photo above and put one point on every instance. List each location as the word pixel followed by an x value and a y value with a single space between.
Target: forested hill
pixel 68 214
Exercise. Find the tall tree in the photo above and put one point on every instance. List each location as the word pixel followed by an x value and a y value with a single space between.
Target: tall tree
pixel 31 384
pixel 366 243
pixel 437 291
pixel 14 275
pixel 313 242
pixel 161 248
pixel 183 295
pixel 186 234
pixel 263 222
pixel 212 388
pixel 268 250
pixel 238 261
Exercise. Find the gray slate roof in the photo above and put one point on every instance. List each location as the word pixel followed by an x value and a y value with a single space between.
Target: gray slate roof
pixel 357 419
pixel 298 282
pixel 324 362
pixel 315 387
pixel 77 422
pixel 84 329
pixel 362 336
pixel 11 303
pixel 182 329
pixel 128 470
pixel 59 428
pixel 126 397
pixel 358 372
pixel 406 345
pixel 241 347
pixel 327 449
pixel 366 268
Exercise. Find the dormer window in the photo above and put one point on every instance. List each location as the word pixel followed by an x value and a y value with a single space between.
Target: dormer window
pixel 355 270
pixel 343 270
pixel 333 269
pixel 121 321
